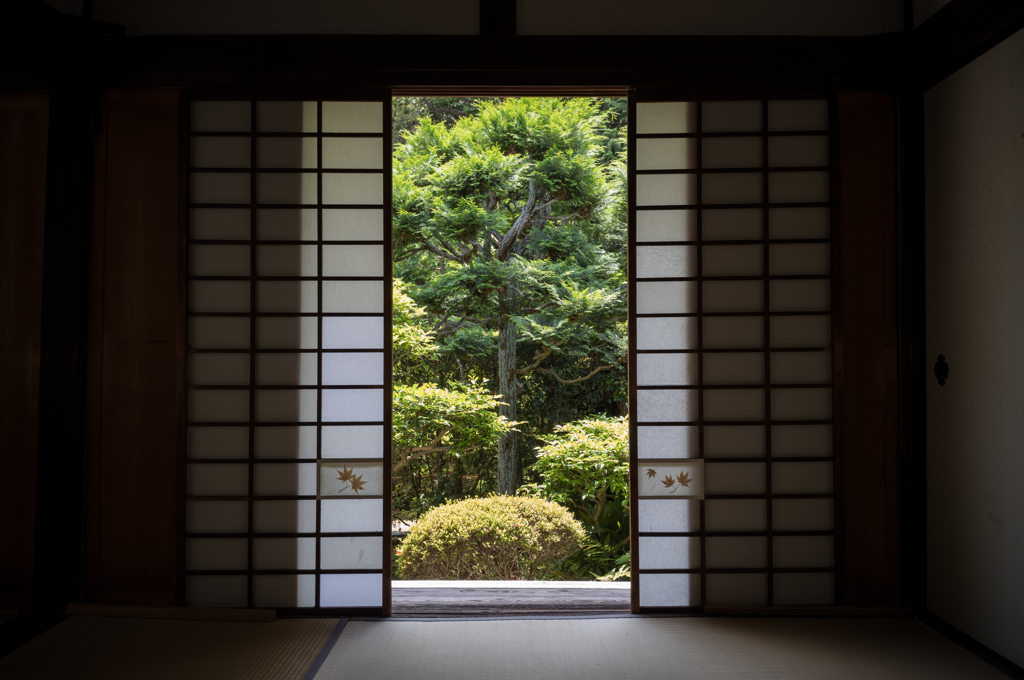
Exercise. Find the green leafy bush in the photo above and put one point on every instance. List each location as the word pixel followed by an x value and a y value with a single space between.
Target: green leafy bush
pixel 505 538
pixel 584 466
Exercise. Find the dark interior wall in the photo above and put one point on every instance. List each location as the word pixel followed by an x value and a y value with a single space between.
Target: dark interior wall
pixel 867 350
pixel 974 238
pixel 23 136
pixel 134 387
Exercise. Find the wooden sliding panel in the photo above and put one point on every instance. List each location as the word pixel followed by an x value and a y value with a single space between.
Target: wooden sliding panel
pixel 289 364
pixel 731 363
pixel 133 346
pixel 23 136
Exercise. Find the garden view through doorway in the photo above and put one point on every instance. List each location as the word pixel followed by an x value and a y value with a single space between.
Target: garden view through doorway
pixel 510 453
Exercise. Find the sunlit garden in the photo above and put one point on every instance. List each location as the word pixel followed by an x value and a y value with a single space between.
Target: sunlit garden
pixel 510 456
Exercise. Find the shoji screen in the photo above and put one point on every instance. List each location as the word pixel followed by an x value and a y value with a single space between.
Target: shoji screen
pixel 731 332
pixel 289 362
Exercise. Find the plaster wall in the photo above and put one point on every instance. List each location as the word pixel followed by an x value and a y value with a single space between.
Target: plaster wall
pixel 974 183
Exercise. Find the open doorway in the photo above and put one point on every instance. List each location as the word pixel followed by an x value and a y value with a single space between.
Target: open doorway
pixel 510 464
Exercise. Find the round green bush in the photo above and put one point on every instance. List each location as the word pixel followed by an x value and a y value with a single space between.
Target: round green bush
pixel 499 538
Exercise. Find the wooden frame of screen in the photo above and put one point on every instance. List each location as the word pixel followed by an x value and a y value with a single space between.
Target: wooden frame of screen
pixel 377 95
pixel 701 95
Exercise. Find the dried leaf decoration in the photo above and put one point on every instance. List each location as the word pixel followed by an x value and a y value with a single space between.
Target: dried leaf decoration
pixel 669 481
pixel 355 482
pixel 651 472
pixel 684 478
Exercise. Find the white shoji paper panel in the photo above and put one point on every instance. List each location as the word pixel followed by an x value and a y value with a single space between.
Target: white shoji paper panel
pixel 669 552
pixel 284 516
pixel 666 333
pixel 216 591
pixel 666 369
pixel 351 590
pixel 220 187
pixel 212 479
pixel 666 405
pixel 669 590
pixel 228 224
pixel 286 369
pixel 218 333
pixel 668 189
pixel 735 515
pixel 734 478
pixel 286 441
pixel 736 332
pixel 734 441
pixel 737 589
pixel 216 517
pixel 355 224
pixel 286 260
pixel 742 116
pixel 667 441
pixel 286 224
pixel 284 590
pixel 220 117
pixel 797 151
pixel 803 551
pixel 798 223
pixel 216 554
pixel 284 479
pixel 798 114
pixel 731 152
pixel 219 152
pixel 747 260
pixel 286 152
pixel 666 118
pixel 736 552
pixel 734 368
pixel 666 261
pixel 666 154
pixel 668 515
pixel 218 442
pixel 666 225
pixel 210 260
pixel 802 440
pixel 740 187
pixel 286 116
pixel 218 369
pixel 804 589
pixel 282 332
pixel 732 224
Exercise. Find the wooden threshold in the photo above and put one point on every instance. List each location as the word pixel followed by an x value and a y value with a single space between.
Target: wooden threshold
pixel 179 613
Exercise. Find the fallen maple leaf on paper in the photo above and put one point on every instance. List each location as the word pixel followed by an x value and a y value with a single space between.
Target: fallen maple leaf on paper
pixel 684 478
pixel 651 472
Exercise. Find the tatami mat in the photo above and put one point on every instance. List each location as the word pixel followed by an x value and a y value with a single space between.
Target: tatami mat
pixel 650 648
pixel 86 647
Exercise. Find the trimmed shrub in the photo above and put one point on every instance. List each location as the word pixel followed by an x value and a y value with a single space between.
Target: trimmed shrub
pixel 498 538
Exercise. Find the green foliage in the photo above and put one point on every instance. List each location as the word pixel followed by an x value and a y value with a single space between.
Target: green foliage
pixel 505 538
pixel 436 429
pixel 584 466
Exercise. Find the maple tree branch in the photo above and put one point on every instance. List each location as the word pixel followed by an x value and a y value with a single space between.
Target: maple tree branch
pixel 539 356
pixel 557 377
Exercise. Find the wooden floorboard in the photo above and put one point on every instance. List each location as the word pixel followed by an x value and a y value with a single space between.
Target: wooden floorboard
pixel 507 601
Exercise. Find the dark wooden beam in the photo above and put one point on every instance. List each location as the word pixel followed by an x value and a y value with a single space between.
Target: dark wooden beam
pixel 389 61
pixel 959 33
pixel 60 471
pixel 498 17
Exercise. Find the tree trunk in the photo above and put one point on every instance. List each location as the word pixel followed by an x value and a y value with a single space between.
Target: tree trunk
pixel 507 454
